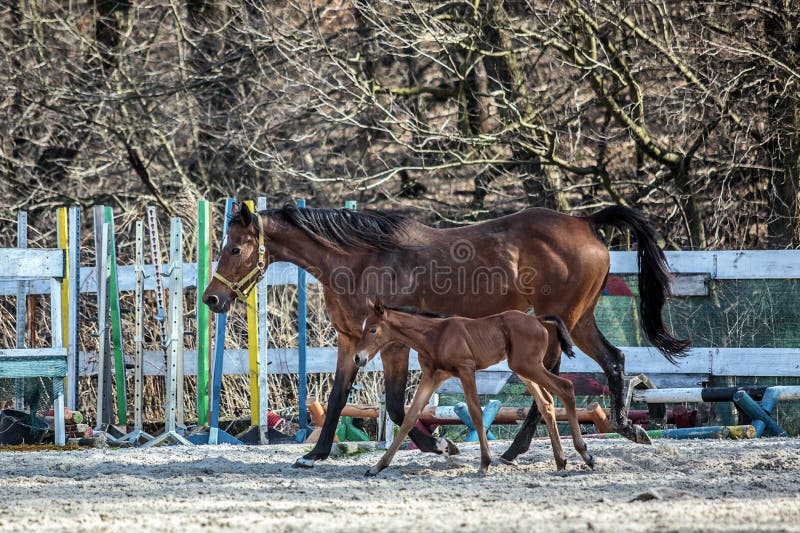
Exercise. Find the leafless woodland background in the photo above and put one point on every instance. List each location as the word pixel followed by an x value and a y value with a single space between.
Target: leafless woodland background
pixel 448 112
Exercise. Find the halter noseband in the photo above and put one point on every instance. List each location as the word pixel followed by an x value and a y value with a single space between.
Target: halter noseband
pixel 243 287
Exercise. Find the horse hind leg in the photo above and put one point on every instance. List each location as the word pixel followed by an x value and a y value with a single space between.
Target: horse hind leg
pixel 590 340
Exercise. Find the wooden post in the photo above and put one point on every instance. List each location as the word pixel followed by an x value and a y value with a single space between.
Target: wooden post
pixel 252 347
pixel 116 322
pixel 22 301
pixel 73 305
pixel 263 360
pixel 203 333
pixel 302 385
pixel 104 405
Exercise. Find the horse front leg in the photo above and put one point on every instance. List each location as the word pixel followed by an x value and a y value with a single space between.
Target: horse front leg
pixel 345 374
pixel 395 374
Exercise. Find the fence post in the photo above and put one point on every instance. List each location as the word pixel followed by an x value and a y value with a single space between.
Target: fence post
pixel 302 385
pixel 203 333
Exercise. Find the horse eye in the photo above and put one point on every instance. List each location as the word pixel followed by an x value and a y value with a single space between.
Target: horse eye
pixel 236 251
pixel 373 330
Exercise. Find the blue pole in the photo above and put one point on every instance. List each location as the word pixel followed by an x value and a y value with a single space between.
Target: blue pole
pixel 302 385
pixel 219 351
pixel 758 413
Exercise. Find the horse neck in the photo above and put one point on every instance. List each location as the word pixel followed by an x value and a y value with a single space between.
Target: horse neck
pixel 416 331
pixel 288 243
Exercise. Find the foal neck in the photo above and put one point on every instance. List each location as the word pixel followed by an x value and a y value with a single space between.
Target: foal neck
pixel 416 331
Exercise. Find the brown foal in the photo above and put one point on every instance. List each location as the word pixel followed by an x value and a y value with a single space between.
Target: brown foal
pixel 459 346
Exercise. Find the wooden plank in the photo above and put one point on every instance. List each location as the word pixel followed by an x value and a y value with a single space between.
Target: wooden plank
pixel 721 264
pixel 688 266
pixel 32 263
pixel 756 362
pixel 690 285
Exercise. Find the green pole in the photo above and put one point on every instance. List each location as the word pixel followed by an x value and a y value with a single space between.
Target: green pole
pixel 203 331
pixel 116 324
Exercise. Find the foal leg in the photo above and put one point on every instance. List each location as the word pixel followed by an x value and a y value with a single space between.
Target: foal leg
pixel 545 403
pixel 522 442
pixel 467 377
pixel 395 374
pixel 565 391
pixel 430 382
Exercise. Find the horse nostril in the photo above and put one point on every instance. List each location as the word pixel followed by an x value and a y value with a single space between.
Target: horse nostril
pixel 211 299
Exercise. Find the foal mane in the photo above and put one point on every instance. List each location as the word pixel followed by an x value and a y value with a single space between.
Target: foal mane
pixel 343 228
pixel 414 311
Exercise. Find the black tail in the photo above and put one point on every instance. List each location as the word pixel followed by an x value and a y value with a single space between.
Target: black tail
pixel 654 278
pixel 563 335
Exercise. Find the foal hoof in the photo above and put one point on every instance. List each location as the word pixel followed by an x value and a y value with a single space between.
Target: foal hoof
pixel 303 463
pixel 590 461
pixel 372 472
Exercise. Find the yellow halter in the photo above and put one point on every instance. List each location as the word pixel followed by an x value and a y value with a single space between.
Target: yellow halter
pixel 243 287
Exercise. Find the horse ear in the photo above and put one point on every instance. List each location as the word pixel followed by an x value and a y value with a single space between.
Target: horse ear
pixel 245 215
pixel 379 307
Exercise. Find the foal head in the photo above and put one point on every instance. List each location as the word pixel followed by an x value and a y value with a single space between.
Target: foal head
pixel 375 334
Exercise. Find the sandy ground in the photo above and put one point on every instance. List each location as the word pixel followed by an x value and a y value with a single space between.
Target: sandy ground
pixel 670 486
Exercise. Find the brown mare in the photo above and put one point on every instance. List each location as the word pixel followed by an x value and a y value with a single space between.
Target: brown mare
pixel 552 261
pixel 458 346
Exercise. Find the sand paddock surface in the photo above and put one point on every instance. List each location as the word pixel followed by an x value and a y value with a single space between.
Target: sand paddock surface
pixel 670 486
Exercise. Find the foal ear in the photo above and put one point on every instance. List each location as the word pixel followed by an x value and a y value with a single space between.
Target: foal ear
pixel 378 307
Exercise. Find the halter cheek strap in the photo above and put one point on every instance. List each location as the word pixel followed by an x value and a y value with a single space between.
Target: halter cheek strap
pixel 243 287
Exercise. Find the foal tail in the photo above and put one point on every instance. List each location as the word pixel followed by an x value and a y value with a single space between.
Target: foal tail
pixel 654 278
pixel 563 335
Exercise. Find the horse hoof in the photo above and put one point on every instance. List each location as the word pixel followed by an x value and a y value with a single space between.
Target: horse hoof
pixel 447 448
pixel 509 462
pixel 372 472
pixel 303 463
pixel 590 462
pixel 641 436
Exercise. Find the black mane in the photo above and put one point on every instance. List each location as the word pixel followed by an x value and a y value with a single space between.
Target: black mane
pixel 343 228
pixel 415 311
